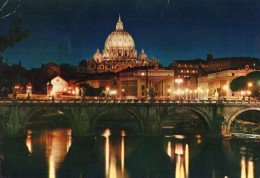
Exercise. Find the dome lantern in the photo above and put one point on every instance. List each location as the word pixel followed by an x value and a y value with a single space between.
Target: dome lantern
pixel 119 25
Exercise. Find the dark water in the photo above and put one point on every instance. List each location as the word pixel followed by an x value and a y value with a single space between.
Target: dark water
pixel 53 154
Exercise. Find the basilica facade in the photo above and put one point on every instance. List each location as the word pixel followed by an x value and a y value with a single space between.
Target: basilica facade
pixel 119 53
pixel 120 68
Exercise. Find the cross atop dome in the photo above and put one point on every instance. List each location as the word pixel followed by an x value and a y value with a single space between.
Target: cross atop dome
pixel 119 25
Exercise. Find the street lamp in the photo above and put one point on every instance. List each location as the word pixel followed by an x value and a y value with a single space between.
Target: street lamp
pixel 178 81
pixel 107 91
pixel 186 92
pixel 169 92
pixel 249 84
pixel 28 90
pixel 207 94
pixel 113 93
pixel 190 93
pixel 199 93
pixel 225 87
pixel 195 94
pixel 243 94
pixel 123 92
pixel 16 88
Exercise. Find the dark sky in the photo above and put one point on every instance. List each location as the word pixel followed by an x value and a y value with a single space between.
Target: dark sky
pixel 166 29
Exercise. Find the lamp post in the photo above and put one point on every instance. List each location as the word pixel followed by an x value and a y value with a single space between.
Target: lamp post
pixel 199 93
pixel 16 88
pixel 107 91
pixel 190 94
pixel 178 81
pixel 207 94
pixel 225 87
pixel 186 93
pixel 249 85
pixel 28 90
pixel 242 93
pixel 113 93
pixel 195 94
pixel 49 90
pixel 123 93
pixel 169 92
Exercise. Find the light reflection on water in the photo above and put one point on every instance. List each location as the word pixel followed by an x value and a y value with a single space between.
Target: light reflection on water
pixel 247 164
pixel 123 158
pixel 56 143
pixel 111 166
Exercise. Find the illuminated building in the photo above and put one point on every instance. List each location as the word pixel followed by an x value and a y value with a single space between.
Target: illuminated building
pixel 220 81
pixel 119 53
pixel 119 69
pixel 58 86
pixel 135 82
pixel 231 63
pixel 190 70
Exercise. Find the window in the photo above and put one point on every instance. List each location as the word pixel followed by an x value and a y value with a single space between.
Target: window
pixel 143 88
pixel 233 74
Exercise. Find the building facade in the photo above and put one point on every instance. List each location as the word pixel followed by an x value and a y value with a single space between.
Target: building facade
pixel 119 53
pixel 119 69
pixel 216 85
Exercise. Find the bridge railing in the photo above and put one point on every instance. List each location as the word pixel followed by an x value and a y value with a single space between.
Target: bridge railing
pixel 35 101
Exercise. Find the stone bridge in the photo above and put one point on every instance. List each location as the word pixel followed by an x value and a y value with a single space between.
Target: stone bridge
pixel 84 115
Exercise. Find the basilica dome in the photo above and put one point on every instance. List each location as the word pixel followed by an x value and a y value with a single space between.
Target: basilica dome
pixel 119 39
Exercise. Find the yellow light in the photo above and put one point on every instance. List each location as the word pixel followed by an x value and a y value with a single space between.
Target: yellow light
pixel 225 87
pixel 249 84
pixel 107 133
pixel 169 149
pixel 178 80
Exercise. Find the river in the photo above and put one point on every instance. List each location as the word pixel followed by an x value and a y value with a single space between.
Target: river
pixel 54 154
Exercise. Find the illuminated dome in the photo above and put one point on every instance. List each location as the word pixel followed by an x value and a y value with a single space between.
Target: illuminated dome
pixel 119 40
pixel 143 55
pixel 97 56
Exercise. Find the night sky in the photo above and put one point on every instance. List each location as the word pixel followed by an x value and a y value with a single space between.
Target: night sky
pixel 166 29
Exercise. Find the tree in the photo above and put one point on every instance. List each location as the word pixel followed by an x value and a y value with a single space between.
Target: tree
pixel 238 83
pixel 241 83
pixel 14 35
pixel 254 78
pixel 90 91
pixel 66 71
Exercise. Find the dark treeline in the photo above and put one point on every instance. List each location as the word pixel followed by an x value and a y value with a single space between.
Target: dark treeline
pixel 16 74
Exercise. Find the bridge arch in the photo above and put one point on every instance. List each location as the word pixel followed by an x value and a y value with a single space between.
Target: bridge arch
pixel 38 112
pixel 199 112
pixel 233 117
pixel 116 112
